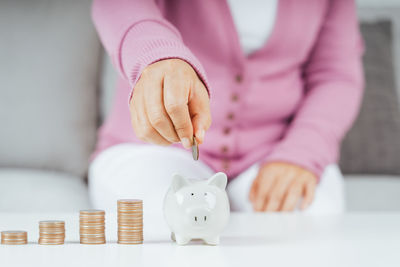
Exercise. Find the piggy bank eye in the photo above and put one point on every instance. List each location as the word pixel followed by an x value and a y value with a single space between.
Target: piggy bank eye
pixel 192 194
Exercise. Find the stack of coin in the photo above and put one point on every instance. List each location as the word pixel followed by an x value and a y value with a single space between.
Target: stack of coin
pixel 14 237
pixel 130 221
pixel 92 226
pixel 51 232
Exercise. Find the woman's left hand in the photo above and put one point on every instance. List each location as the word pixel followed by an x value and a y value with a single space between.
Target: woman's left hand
pixel 279 186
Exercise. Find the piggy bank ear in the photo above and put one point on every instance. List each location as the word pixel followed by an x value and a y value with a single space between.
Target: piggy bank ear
pixel 178 182
pixel 219 179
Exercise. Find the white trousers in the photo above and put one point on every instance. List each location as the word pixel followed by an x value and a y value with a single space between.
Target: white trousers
pixel 145 172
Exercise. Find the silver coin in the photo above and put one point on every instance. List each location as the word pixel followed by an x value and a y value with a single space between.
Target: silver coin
pixel 195 149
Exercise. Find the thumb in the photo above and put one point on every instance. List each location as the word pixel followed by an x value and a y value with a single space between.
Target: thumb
pixel 199 109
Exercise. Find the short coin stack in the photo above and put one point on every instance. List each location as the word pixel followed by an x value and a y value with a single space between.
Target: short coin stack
pixel 51 232
pixel 14 237
pixel 92 227
pixel 130 221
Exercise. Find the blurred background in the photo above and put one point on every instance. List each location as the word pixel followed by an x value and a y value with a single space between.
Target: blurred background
pixel 56 88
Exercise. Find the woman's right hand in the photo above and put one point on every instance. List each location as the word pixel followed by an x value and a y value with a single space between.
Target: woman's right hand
pixel 169 104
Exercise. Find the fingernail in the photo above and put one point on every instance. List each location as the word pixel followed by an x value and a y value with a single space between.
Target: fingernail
pixel 186 143
pixel 200 135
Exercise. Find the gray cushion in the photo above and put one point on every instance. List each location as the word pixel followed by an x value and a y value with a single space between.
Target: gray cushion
pixel 41 191
pixel 49 54
pixel 373 144
pixel 392 14
pixel 107 86
pixel 372 193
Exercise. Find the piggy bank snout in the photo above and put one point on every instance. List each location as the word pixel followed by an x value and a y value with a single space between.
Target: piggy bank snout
pixel 199 216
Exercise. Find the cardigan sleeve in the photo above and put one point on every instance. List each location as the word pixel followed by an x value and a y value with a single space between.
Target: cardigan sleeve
pixel 333 78
pixel 135 35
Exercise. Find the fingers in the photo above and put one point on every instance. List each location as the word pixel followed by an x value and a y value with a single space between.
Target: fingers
pixel 156 113
pixel 134 123
pixel 169 104
pixel 199 109
pixel 140 122
pixel 280 186
pixel 292 195
pixel 309 192
pixel 274 201
pixel 253 190
pixel 265 185
pixel 176 98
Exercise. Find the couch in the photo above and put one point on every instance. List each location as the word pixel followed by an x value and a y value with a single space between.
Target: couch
pixel 56 87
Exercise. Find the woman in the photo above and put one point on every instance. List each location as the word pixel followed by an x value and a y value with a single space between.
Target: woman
pixel 280 79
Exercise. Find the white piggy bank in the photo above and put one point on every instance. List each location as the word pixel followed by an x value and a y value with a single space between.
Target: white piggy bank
pixel 197 209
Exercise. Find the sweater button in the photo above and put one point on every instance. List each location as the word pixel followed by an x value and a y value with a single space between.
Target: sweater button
pixel 227 130
pixel 238 78
pixel 224 149
pixel 230 116
pixel 225 164
pixel 235 97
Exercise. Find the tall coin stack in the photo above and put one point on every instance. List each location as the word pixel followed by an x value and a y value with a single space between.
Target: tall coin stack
pixel 92 227
pixel 130 221
pixel 51 232
pixel 14 237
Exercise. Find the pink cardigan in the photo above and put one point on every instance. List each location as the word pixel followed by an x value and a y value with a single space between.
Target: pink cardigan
pixel 292 100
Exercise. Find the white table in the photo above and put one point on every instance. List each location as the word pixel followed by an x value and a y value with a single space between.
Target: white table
pixel 355 239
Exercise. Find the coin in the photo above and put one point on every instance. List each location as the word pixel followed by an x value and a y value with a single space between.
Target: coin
pixel 51 232
pixel 14 237
pixel 195 149
pixel 92 227
pixel 130 221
